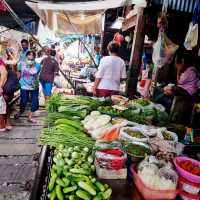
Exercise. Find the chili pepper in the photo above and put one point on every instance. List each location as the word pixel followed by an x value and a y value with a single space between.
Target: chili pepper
pixel 186 165
pixel 195 170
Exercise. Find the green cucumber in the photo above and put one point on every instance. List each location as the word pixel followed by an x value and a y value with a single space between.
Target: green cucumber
pixel 100 186
pixel 66 181
pixel 98 197
pixel 80 171
pixel 59 193
pixel 52 182
pixel 53 195
pixel 87 187
pixel 107 193
pixel 71 197
pixel 60 182
pixel 69 189
pixel 83 195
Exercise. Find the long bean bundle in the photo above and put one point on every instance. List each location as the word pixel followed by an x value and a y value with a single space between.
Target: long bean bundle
pixel 54 137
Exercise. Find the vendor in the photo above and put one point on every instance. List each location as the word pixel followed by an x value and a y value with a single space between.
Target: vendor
pixel 186 88
pixel 111 71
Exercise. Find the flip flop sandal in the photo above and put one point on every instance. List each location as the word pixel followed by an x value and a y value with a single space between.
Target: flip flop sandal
pixel 2 130
pixel 9 128
pixel 32 121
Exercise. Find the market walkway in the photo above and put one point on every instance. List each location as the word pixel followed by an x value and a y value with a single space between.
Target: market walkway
pixel 19 158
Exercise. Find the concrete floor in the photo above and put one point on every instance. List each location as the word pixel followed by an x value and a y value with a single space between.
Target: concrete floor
pixel 19 154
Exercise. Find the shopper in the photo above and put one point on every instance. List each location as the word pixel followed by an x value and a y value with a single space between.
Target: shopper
pixel 111 72
pixel 28 73
pixel 49 68
pixel 11 59
pixel 25 49
pixel 7 91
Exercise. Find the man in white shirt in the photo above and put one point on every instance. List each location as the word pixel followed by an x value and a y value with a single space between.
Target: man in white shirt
pixel 112 70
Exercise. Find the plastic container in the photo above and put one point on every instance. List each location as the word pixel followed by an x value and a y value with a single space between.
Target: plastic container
pixel 111 162
pixel 191 188
pixel 185 174
pixel 151 194
pixel 187 196
pixel 136 158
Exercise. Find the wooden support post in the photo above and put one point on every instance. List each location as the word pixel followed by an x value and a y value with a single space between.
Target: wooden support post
pixel 136 54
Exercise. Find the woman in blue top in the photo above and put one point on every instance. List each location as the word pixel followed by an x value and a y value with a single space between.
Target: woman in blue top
pixel 28 73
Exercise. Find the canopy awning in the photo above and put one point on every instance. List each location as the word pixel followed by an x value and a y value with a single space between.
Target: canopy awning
pixel 23 12
pixel 89 6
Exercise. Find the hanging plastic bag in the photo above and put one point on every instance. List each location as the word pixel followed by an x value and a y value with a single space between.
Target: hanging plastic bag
pixel 163 50
pixel 192 36
pixel 2 105
pixel 191 39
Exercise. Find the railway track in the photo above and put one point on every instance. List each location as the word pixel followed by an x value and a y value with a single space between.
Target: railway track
pixel 19 154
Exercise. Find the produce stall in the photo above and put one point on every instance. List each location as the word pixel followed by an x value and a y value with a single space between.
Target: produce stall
pixel 112 149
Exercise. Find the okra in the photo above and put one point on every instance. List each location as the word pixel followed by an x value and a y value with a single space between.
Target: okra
pixel 83 195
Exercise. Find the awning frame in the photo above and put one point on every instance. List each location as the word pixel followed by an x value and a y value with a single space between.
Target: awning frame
pixel 90 5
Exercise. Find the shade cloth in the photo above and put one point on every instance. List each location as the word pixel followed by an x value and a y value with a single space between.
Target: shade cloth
pixel 90 5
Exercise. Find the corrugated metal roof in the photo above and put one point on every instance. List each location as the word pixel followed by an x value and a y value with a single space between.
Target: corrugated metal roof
pixel 179 5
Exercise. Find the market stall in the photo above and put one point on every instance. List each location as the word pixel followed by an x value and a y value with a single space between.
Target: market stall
pixel 113 149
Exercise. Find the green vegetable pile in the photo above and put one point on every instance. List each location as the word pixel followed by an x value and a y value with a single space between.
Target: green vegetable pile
pixel 67 132
pixel 142 102
pixel 71 176
pixel 108 110
pixel 53 103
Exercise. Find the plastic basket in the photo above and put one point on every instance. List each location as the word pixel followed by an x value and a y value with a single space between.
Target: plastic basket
pixel 185 174
pixel 190 188
pixel 151 194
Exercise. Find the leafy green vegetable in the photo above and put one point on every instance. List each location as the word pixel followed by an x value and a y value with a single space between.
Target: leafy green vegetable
pixel 53 103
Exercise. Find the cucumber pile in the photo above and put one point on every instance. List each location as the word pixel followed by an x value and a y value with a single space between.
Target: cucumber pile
pixel 71 176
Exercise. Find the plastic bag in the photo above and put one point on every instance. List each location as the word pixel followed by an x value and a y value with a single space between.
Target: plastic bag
pixel 191 39
pixel 129 137
pixel 2 105
pixel 109 155
pixel 167 135
pixel 157 174
pixel 163 50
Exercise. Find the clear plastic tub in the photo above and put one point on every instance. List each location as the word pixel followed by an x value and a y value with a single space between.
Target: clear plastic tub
pixel 151 194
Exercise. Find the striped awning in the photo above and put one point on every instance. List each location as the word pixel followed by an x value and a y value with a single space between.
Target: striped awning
pixel 179 5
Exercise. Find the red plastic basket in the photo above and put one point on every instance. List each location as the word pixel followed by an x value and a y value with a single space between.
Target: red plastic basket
pixel 151 194
pixel 186 194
